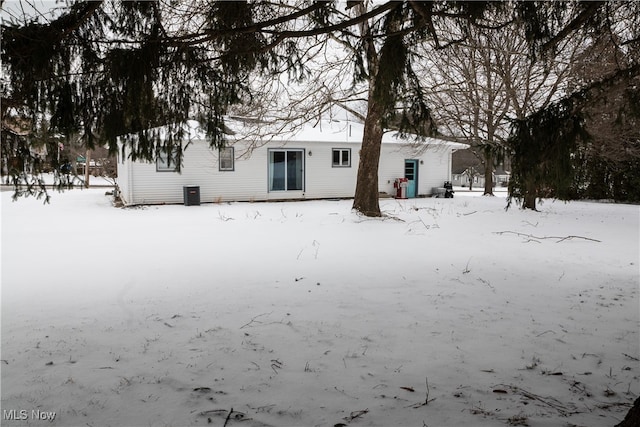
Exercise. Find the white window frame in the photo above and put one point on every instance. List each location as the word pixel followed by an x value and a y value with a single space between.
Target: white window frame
pixel 162 164
pixel 341 157
pixel 226 154
pixel 271 171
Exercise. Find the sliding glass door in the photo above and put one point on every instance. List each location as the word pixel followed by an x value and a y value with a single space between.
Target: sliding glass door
pixel 286 170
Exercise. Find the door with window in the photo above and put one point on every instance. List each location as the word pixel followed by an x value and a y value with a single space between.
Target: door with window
pixel 286 170
pixel 411 173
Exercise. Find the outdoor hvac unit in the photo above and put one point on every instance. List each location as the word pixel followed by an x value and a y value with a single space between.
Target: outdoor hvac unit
pixel 191 196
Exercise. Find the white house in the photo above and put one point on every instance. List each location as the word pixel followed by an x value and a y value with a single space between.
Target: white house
pixel 312 162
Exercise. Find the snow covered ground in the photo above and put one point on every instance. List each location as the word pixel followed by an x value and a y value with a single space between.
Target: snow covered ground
pixel 447 312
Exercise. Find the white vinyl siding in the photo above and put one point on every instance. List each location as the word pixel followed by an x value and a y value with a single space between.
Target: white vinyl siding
pixel 434 167
pixel 141 184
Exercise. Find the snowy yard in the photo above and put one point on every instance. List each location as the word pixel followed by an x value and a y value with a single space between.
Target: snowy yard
pixel 448 312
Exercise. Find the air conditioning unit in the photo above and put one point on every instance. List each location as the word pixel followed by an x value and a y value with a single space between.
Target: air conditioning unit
pixel 191 195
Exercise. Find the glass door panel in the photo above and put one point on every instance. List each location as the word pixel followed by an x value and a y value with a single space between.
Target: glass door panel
pixel 286 170
pixel 277 168
pixel 294 170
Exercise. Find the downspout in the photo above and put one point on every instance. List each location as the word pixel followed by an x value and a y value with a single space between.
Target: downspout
pixel 449 164
pixel 130 180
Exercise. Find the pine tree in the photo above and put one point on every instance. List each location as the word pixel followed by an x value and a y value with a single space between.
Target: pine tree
pixel 108 69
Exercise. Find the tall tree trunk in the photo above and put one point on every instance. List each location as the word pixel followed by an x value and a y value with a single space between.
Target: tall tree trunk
pixel 529 200
pixel 87 170
pixel 488 173
pixel 366 196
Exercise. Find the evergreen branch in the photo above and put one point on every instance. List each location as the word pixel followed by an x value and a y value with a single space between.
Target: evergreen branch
pixel 335 27
pixel 575 24
pixel 262 27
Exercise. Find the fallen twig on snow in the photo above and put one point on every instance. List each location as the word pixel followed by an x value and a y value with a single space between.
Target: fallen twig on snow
pixel 549 401
pixel 253 320
pixel 486 282
pixel 223 217
pixel 213 412
pixel 559 238
pixel 466 269
pixel 355 414
pixel 231 415
pixel 275 365
pixel 228 417
pixel 426 399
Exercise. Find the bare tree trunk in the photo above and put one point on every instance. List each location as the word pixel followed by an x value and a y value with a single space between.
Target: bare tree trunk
pixel 366 197
pixel 529 200
pixel 488 174
pixel 87 173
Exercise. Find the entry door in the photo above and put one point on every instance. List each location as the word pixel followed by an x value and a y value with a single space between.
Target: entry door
pixel 286 170
pixel 411 173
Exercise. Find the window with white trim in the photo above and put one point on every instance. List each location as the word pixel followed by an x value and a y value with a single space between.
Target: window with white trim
pixel 341 157
pixel 226 156
pixel 286 170
pixel 167 163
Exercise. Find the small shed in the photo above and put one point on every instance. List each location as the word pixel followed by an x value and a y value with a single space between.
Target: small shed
pixel 311 161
